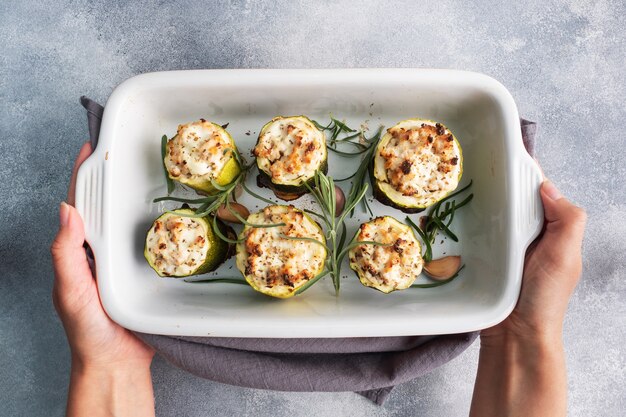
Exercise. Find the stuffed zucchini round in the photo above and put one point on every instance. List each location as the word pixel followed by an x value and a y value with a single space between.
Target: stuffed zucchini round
pixel 416 163
pixel 179 246
pixel 274 265
pixel 288 152
pixel 391 267
pixel 199 153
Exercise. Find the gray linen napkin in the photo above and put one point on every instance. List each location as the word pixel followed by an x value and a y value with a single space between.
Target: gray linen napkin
pixel 370 366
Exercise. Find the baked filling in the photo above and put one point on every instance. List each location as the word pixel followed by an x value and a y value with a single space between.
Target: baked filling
pixel 387 268
pixel 290 150
pixel 417 163
pixel 177 245
pixel 274 264
pixel 200 150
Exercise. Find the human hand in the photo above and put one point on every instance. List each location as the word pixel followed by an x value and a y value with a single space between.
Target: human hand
pixel 552 269
pixel 521 370
pixel 95 340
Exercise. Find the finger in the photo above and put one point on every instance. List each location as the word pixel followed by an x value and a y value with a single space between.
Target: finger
pixel 564 229
pixel 83 154
pixel 565 222
pixel 68 254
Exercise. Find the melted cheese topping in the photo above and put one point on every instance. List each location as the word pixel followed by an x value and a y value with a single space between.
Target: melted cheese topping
pixel 176 245
pixel 417 163
pixel 276 265
pixel 199 150
pixel 290 150
pixel 387 268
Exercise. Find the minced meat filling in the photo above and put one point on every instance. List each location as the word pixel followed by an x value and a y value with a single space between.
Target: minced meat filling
pixel 419 160
pixel 177 245
pixel 273 260
pixel 393 266
pixel 290 149
pixel 199 149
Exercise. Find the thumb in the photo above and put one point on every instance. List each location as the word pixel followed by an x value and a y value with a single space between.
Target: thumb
pixel 564 227
pixel 562 217
pixel 68 254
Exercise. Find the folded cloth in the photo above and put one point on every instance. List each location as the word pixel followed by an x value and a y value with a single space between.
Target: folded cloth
pixel 371 366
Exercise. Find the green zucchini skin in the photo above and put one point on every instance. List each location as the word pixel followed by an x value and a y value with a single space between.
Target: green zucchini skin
pixel 204 187
pixel 219 251
pixel 382 197
pixel 359 272
pixel 265 181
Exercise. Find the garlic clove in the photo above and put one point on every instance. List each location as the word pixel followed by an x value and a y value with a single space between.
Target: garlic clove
pixel 443 268
pixel 224 214
pixel 340 201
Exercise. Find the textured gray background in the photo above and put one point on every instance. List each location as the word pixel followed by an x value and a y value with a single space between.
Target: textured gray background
pixel 563 61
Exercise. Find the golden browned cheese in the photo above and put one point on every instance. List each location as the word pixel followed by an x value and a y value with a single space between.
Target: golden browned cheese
pixel 417 163
pixel 272 260
pixel 393 266
pixel 176 245
pixel 420 159
pixel 200 148
pixel 290 149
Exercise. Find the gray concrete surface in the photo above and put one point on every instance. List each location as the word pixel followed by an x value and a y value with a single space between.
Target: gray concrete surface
pixel 563 61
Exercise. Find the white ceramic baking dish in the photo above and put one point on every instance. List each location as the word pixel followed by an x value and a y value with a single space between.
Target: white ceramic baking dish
pixel 117 183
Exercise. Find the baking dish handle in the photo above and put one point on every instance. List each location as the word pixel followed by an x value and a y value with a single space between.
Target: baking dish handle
pixel 90 197
pixel 530 218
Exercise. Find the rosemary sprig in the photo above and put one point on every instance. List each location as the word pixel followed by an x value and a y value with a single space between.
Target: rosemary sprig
pixel 312 281
pixel 324 193
pixel 428 253
pixel 439 220
pixel 218 232
pixel 352 137
pixel 363 145
pixel 210 203
pixel 362 170
pixel 305 239
pixel 356 243
pixel 168 180
pixel 257 196
pixel 202 200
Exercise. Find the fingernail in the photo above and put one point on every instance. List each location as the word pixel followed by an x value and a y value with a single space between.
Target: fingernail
pixel 64 214
pixel 551 191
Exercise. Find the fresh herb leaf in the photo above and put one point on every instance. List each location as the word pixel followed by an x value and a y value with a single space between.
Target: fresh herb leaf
pixel 218 232
pixel 352 245
pixel 359 177
pixel 257 196
pixel 439 219
pixel 352 137
pixel 185 200
pixel 168 180
pixel 312 281
pixel 247 223
pixel 428 253
pixel 324 193
pixel 305 239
